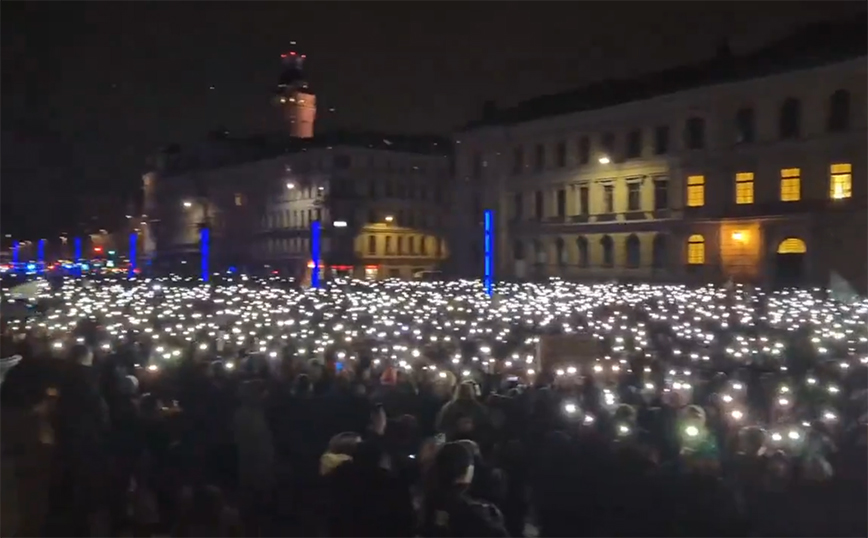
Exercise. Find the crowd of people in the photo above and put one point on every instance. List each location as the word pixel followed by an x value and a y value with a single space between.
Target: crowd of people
pixel 250 407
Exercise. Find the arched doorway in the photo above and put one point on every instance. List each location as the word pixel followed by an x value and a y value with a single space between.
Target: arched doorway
pixel 790 262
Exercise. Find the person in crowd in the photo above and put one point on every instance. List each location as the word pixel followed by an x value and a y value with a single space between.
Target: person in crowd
pixel 448 509
pixel 463 416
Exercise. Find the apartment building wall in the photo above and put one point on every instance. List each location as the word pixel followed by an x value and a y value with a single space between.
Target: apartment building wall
pixel 643 229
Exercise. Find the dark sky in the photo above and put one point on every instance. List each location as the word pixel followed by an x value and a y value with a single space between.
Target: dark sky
pixel 89 90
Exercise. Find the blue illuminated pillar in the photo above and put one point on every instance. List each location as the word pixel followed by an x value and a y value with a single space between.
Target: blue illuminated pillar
pixel 134 243
pixel 315 236
pixel 40 255
pixel 489 252
pixel 16 247
pixel 205 251
pixel 77 243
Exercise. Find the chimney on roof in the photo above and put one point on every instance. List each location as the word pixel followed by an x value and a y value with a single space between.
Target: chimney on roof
pixel 489 110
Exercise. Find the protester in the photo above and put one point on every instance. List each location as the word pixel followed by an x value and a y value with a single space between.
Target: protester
pixel 245 407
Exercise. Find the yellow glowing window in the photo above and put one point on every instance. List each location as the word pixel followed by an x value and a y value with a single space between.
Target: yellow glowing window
pixel 791 185
pixel 695 191
pixel 792 245
pixel 744 188
pixel 696 250
pixel 841 184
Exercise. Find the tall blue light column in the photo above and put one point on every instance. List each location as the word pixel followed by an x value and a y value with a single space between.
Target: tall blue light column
pixel 205 252
pixel 40 255
pixel 315 238
pixel 134 244
pixel 488 279
pixel 16 247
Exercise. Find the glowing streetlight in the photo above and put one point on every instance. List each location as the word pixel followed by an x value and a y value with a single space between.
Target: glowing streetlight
pixel 188 204
pixel 290 185
pixel 389 218
pixel 340 224
pixel 604 160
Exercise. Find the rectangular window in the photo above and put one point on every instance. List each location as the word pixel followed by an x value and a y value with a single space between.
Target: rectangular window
pixel 518 160
pixel 634 144
pixel 584 150
pixel 411 245
pixel 584 208
pixel 791 185
pixel 661 194
pixel 608 199
pixel 694 133
pixel 372 245
pixel 561 154
pixel 538 205
pixel 540 158
pixel 661 140
pixel 517 203
pixel 696 250
pixel 239 199
pixel 695 191
pixel 388 244
pixel 400 245
pixel 841 181
pixel 634 196
pixel 744 188
pixel 562 203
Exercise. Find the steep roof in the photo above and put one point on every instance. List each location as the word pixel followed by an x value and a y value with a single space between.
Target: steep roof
pixel 811 46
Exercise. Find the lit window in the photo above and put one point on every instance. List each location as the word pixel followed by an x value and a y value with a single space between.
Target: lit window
pixel 791 185
pixel 744 188
pixel 239 199
pixel 841 185
pixel 792 245
pixel 696 191
pixel 696 250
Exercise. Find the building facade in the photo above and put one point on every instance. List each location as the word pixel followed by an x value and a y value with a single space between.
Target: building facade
pixel 379 201
pixel 734 170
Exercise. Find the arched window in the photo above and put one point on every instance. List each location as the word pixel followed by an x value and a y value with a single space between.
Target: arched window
pixel 696 250
pixel 561 251
pixel 582 245
pixel 839 111
pixel 372 245
pixel 792 245
pixel 791 118
pixel 658 254
pixel 518 250
pixel 608 251
pixel 634 254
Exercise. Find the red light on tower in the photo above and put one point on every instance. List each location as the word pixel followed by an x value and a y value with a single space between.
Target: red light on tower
pixel 97 250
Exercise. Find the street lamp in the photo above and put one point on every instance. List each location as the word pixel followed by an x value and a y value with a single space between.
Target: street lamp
pixel 389 218
pixel 290 185
pixel 604 160
pixel 340 224
pixel 188 204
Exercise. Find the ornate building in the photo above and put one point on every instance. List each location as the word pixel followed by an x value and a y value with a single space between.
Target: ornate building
pixel 749 167
pixel 380 199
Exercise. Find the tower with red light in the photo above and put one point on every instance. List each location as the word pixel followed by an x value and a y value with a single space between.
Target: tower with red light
pixel 295 99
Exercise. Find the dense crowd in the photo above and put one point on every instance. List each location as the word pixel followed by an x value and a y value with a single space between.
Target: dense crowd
pixel 244 407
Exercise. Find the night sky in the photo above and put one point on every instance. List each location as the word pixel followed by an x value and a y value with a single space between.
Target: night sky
pixel 89 90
